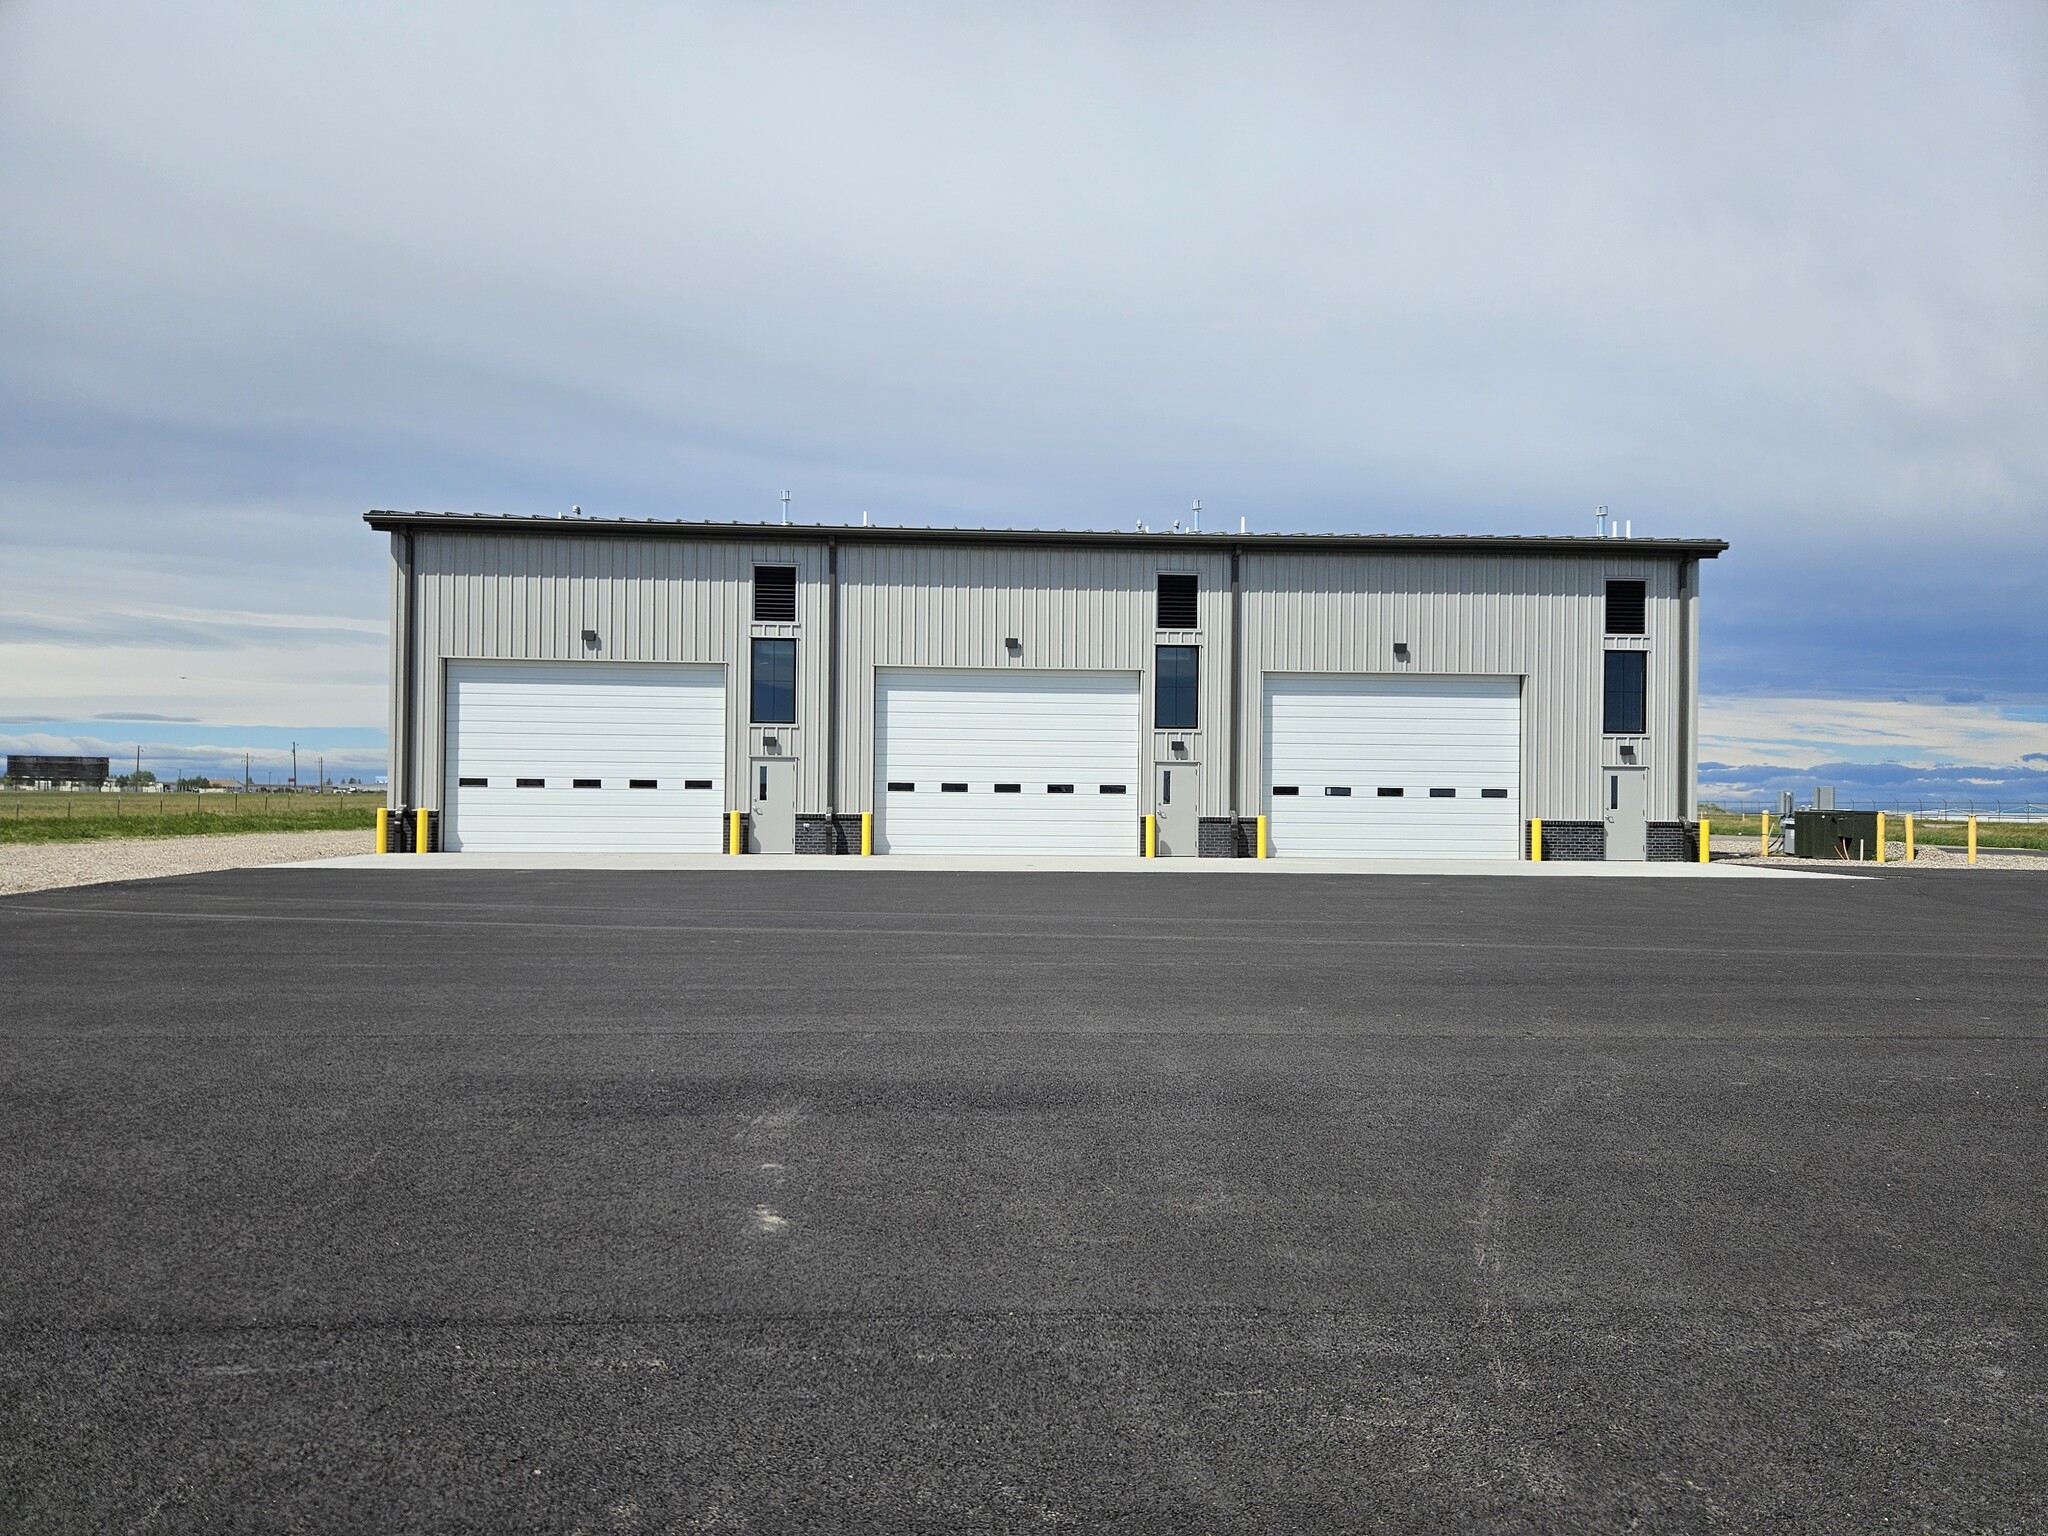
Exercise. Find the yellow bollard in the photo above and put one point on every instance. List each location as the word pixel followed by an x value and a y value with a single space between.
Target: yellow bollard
pixel 383 829
pixel 1262 838
pixel 1973 839
pixel 867 833
pixel 1763 842
pixel 1909 837
pixel 1706 840
pixel 424 835
pixel 1535 839
pixel 732 831
pixel 1880 837
pixel 1151 837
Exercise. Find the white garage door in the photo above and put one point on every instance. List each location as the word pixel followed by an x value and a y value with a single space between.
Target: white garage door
pixel 1006 762
pixel 582 757
pixel 1393 767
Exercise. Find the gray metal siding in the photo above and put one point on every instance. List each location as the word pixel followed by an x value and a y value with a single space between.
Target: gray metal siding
pixel 489 593
pixel 1540 618
pixel 1080 609
pixel 493 596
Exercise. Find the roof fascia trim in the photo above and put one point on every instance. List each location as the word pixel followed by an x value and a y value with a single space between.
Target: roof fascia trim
pixel 1219 543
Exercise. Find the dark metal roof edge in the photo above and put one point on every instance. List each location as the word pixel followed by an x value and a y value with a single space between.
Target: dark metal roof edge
pixel 650 528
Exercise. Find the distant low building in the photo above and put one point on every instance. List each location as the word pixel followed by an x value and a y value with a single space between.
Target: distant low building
pixel 35 769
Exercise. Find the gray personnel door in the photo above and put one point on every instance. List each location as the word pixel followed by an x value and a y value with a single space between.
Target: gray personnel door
pixel 771 788
pixel 1622 800
pixel 1176 803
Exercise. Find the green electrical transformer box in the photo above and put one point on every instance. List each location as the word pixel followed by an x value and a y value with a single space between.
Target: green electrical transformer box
pixel 1834 835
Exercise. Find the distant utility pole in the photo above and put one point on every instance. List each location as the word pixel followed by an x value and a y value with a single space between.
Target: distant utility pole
pixel 323 773
pixel 295 765
pixel 246 782
pixel 138 764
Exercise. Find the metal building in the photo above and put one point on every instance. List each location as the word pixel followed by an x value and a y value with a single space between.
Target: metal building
pixel 584 684
pixel 32 768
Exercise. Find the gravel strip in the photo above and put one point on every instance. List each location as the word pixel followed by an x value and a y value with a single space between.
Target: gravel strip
pixel 1939 854
pixel 51 866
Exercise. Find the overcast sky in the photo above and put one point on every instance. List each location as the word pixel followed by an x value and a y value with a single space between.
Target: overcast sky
pixel 1777 274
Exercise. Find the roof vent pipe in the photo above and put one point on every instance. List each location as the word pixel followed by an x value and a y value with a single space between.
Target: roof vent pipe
pixel 1197 514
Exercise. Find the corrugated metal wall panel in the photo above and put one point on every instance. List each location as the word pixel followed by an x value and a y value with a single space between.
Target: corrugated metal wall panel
pixel 1538 617
pixel 498 595
pixel 1070 610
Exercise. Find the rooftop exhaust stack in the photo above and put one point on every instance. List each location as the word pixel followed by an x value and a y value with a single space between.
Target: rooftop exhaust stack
pixel 785 508
pixel 1197 515
pixel 1600 522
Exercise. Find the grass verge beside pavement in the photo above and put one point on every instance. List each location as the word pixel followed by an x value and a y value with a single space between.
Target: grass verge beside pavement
pixel 98 825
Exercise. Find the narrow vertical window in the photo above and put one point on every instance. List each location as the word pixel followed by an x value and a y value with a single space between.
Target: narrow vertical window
pixel 774 673
pixel 1627 673
pixel 1174 691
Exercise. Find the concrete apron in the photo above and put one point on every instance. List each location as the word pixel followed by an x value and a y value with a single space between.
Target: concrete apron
pixel 1049 864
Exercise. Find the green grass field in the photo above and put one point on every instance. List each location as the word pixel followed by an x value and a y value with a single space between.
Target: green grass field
pixel 55 817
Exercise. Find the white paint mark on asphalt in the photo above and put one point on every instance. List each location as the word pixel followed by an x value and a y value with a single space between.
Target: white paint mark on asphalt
pixel 768 1222
pixel 1539 1470
pixel 769 1126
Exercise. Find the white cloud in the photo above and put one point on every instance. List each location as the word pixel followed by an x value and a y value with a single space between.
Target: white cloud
pixel 1795 732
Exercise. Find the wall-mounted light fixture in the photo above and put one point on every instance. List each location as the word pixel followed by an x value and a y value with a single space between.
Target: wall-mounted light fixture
pixel 770 744
pixel 1400 650
pixel 1014 646
pixel 1628 753
pixel 590 638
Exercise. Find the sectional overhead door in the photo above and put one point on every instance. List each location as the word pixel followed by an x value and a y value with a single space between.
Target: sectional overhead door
pixel 1006 762
pixel 1393 767
pixel 579 757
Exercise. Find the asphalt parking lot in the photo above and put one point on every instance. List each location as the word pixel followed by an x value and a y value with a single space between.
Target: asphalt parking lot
pixel 461 1200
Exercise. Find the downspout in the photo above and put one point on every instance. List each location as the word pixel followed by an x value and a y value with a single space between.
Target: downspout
pixel 1236 692
pixel 410 623
pixel 1688 685
pixel 832 696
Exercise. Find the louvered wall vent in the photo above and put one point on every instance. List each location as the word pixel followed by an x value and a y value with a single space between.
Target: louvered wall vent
pixel 775 594
pixel 1626 601
pixel 1177 602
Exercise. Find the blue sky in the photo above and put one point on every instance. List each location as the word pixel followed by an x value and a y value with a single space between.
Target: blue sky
pixel 1768 273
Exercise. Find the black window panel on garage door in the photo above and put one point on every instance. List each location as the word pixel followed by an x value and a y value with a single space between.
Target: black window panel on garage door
pixel 775 594
pixel 1627 605
pixel 1177 606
